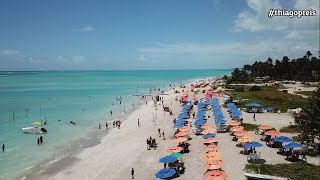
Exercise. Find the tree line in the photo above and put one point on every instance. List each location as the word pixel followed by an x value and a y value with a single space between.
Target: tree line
pixel 306 68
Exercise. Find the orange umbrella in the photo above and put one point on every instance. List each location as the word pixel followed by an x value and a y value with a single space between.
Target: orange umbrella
pixel 212 147
pixel 273 133
pixel 237 128
pixel 180 134
pixel 240 133
pixel 180 139
pixel 245 139
pixel 265 127
pixel 184 95
pixel 174 149
pixel 184 128
pixel 217 164
pixel 216 175
pixel 212 156
pixel 207 126
pixel 207 131
pixel 234 123
pixel 210 140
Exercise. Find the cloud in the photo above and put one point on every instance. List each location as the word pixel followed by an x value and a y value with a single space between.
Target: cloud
pixel 294 36
pixel 71 60
pixel 142 58
pixel 248 49
pixel 87 28
pixel 255 18
pixel 12 53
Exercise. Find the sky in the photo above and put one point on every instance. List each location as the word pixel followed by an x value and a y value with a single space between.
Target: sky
pixel 151 34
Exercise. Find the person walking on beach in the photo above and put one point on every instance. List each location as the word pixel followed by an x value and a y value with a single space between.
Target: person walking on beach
pixel 159 132
pixel 113 124
pixel 132 173
pixel 111 113
pixel 163 135
pixel 106 125
pixel 38 141
pixel 138 122
pixel 3 147
pixel 254 116
pixel 41 139
pixel 99 126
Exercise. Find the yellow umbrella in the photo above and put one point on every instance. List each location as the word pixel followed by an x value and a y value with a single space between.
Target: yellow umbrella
pixel 37 123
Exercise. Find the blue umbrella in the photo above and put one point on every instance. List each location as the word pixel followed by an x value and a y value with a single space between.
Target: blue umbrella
pixel 282 139
pixel 167 159
pixel 165 173
pixel 209 135
pixel 221 121
pixel 199 123
pixel 253 105
pixel 253 144
pixel 292 145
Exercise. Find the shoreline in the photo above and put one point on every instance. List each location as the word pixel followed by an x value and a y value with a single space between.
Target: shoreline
pixel 66 157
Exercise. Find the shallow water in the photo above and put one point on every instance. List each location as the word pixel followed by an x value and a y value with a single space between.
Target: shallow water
pixel 85 97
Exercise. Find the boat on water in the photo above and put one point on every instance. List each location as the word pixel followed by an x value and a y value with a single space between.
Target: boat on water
pixel 35 129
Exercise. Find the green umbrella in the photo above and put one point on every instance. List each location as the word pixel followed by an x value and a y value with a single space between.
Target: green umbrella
pixel 175 154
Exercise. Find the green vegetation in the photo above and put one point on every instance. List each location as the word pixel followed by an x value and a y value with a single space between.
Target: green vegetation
pixel 302 69
pixel 249 127
pixel 309 120
pixel 291 129
pixel 294 171
pixel 270 97
pixel 306 93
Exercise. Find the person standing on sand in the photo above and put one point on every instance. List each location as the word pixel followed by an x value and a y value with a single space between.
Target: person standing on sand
pixel 99 126
pixel 163 135
pixel 138 123
pixel 132 173
pixel 106 125
pixel 3 147
pixel 254 116
pixel 113 124
pixel 159 132
pixel 38 141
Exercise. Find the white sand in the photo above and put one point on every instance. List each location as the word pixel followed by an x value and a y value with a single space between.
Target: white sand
pixel 125 148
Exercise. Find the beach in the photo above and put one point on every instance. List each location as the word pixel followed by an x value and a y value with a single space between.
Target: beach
pixel 125 148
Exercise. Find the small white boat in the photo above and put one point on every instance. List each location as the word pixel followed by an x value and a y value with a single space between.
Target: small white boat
pixel 34 130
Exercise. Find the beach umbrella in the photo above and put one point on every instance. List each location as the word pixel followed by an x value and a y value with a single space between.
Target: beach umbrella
pixel 181 134
pixel 245 139
pixel 207 131
pixel 165 173
pixel 211 165
pixel 282 139
pixel 167 159
pixel 212 147
pixel 209 135
pixel 292 145
pixel 253 144
pixel 210 140
pixel 174 149
pixel 180 139
pixel 176 155
pixel 253 105
pixel 184 128
pixel 220 121
pixel 212 156
pixel 234 123
pixel 237 128
pixel 207 126
pixel 240 133
pixel 265 127
pixel 273 133
pixel 37 123
pixel 199 123
pixel 216 175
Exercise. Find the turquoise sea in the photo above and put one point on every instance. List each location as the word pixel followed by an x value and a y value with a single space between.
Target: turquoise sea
pixel 85 97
